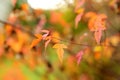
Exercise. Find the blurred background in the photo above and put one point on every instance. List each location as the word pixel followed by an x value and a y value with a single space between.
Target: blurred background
pixel 21 19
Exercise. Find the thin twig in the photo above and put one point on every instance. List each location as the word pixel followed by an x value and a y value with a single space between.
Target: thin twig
pixel 71 42
pixel 31 34
pixel 18 27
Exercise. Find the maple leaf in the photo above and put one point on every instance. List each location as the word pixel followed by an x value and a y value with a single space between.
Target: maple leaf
pixel 36 41
pixel 55 37
pixel 40 24
pixel 97 22
pixel 48 39
pixel 97 25
pixel 79 56
pixel 98 35
pixel 90 14
pixel 79 10
pixel 45 35
pixel 14 44
pixel 91 23
pixel 77 19
pixel 25 7
pixel 60 51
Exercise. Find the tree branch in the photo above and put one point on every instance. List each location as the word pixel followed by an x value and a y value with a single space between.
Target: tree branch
pixel 17 26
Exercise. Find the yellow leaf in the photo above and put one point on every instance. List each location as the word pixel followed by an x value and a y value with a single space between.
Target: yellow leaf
pixel 55 37
pixel 59 46
pixel 81 10
pixel 97 48
pixel 38 35
pixel 60 51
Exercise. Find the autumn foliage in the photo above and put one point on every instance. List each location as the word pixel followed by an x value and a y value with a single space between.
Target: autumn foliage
pixel 81 42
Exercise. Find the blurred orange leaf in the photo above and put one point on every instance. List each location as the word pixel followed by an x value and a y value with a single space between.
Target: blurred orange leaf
pixel 97 25
pixel 55 37
pixel 97 22
pixel 90 14
pixel 57 18
pixel 36 41
pixel 14 74
pixel 14 44
pixel 24 7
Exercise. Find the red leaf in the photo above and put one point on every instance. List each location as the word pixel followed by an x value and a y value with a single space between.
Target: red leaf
pixel 98 35
pixel 48 39
pixel 79 56
pixel 77 19
pixel 46 34
pixel 40 25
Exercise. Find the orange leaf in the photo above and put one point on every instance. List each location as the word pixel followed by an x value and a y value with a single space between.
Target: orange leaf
pixel 97 25
pixel 14 44
pixel 14 73
pixel 38 35
pixel 57 18
pixel 25 7
pixel 9 29
pixel 90 14
pixel 60 51
pixel 97 22
pixel 97 55
pixel 91 23
pixel 2 39
pixel 55 37
pixel 36 41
